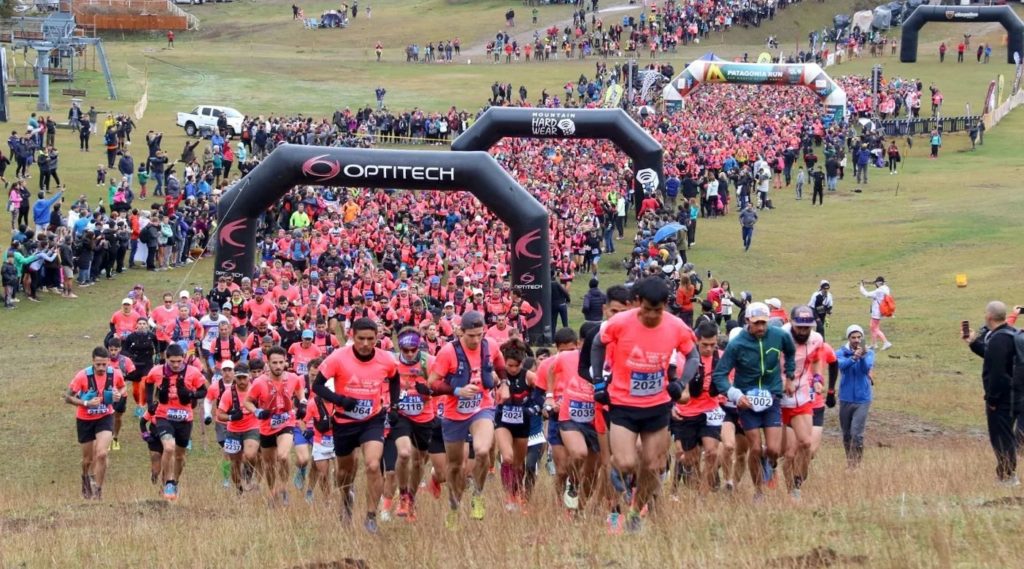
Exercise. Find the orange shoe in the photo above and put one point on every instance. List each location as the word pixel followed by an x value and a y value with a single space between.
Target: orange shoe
pixel 434 488
pixel 403 506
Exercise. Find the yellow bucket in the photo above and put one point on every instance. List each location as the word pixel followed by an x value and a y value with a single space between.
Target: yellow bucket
pixel 961 280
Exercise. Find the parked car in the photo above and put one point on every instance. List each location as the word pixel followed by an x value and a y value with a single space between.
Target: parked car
pixel 205 117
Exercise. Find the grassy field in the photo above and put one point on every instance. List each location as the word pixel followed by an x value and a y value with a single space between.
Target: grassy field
pixel 924 499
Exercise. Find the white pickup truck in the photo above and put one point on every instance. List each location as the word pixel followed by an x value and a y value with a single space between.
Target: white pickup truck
pixel 205 117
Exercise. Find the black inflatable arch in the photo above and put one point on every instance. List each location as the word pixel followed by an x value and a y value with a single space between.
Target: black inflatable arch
pixel 961 14
pixel 611 124
pixel 476 172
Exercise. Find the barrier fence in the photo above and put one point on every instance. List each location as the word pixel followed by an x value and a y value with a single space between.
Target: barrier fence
pixel 924 126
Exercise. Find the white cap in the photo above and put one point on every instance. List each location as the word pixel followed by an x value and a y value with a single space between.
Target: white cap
pixel 774 303
pixel 227 364
pixel 477 291
pixel 734 332
pixel 126 301
pixel 757 312
pixel 854 328
pixel 824 283
pixel 184 294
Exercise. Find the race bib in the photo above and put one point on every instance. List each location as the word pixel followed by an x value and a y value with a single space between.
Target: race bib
pixel 469 405
pixel 302 368
pixel 279 419
pixel 361 411
pixel 715 417
pixel 581 411
pixel 760 399
pixel 177 415
pixel 327 441
pixel 646 384
pixel 100 409
pixel 440 410
pixel 512 414
pixel 411 405
pixel 232 446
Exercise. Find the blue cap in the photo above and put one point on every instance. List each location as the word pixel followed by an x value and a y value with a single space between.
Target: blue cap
pixel 308 334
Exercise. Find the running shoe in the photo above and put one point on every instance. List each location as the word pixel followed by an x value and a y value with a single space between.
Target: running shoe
pixel 614 523
pixel 139 411
pixel 434 487
pixel 730 486
pixel 115 445
pixel 1011 482
pixel 370 525
pixel 225 483
pixel 86 487
pixel 451 520
pixel 189 447
pixel 633 522
pixel 309 496
pixel 299 480
pixel 886 346
pixel 570 498
pixel 385 509
pixel 403 506
pixel 795 494
pixel 97 493
pixel 170 491
pixel 511 504
pixel 477 509
pixel 346 509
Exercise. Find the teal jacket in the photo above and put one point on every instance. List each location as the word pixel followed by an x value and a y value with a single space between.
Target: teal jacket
pixel 756 362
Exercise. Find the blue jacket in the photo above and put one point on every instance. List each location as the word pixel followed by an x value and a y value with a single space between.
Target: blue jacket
pixel 42 208
pixel 854 383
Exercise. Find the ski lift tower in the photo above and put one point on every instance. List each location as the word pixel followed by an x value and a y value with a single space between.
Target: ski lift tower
pixel 58 42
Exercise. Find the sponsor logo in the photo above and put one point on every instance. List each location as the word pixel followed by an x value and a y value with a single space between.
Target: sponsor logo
pixel 523 244
pixel 648 179
pixel 954 15
pixel 321 170
pixel 228 230
pixel 544 123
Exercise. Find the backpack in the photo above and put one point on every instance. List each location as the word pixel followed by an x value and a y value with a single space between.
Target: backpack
pixel 1018 344
pixel 887 307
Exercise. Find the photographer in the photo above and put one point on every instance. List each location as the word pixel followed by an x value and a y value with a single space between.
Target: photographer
pixel 995 343
pixel 821 302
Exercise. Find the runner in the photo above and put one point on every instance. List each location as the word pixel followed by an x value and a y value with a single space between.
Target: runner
pixel 171 390
pixel 318 414
pixel 225 347
pixel 222 379
pixel 304 443
pixel 242 439
pixel 754 356
pixel 271 399
pixel 552 387
pixel 512 423
pixel 464 370
pixel 95 391
pixel 800 394
pixel 827 356
pixel 639 345
pixel 127 368
pixel 579 423
pixel 697 424
pixel 733 450
pixel 360 373
pixel 411 434
pixel 141 347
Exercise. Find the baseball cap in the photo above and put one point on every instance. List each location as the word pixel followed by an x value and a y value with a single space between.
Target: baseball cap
pixel 854 328
pixel 184 294
pixel 477 291
pixel 879 279
pixel 126 301
pixel 472 319
pixel 214 307
pixel 668 269
pixel 802 316
pixel 308 334
pixel 449 303
pixel 241 369
pixel 825 283
pixel 227 364
pixel 260 290
pixel 774 303
pixel 314 275
pixel 268 338
pixel 758 312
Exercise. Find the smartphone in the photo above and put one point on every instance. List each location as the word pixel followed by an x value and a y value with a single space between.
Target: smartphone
pixel 965 329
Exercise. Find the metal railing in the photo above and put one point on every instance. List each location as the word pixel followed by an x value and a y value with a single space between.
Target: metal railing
pixel 924 126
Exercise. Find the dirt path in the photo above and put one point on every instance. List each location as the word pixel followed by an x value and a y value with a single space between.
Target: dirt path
pixel 523 34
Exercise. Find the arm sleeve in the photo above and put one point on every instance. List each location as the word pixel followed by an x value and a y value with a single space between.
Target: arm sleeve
pixel 149 393
pixel 692 364
pixel 583 369
pixel 597 358
pixel 789 350
pixel 394 388
pixel 833 374
pixel 321 390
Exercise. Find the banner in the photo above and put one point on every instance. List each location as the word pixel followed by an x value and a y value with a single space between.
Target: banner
pixel 612 96
pixel 999 91
pixel 1017 74
pixel 990 98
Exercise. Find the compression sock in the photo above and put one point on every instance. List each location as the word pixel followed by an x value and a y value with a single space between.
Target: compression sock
pixel 225 469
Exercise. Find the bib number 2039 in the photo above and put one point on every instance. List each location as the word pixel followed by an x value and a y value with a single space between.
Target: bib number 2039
pixel 644 384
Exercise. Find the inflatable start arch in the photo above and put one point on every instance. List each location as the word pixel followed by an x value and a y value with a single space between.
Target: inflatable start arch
pixel 807 75
pixel 477 172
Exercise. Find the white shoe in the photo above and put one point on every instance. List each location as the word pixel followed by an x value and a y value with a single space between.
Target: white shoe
pixel 886 346
pixel 1011 482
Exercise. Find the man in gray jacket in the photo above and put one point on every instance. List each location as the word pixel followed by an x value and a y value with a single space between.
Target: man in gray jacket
pixel 748 217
